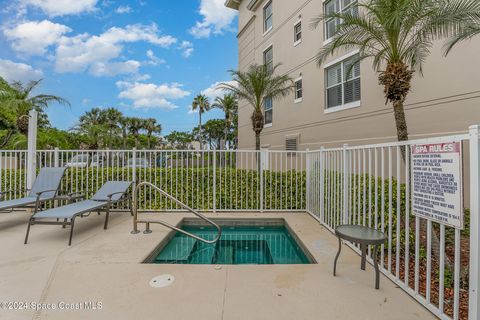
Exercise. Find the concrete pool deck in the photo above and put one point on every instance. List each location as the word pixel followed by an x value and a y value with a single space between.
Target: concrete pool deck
pixel 105 266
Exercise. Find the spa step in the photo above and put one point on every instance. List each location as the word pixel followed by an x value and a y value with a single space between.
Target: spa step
pixel 225 255
pixel 203 254
pixel 177 251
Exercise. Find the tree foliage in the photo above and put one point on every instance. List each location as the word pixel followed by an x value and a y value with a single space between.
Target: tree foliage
pixel 16 101
pixel 255 86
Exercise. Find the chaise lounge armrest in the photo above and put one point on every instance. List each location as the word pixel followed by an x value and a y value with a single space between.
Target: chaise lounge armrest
pixel 109 196
pixel 39 194
pixel 78 195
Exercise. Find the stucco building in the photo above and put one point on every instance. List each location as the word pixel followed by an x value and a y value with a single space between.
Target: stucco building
pixel 328 108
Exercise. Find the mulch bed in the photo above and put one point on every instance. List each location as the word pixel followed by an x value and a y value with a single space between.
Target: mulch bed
pixel 434 287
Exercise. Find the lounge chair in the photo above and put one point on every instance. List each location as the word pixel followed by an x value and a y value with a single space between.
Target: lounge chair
pixel 45 188
pixel 110 193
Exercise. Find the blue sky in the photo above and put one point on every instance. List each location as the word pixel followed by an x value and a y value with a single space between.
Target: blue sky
pixel 148 58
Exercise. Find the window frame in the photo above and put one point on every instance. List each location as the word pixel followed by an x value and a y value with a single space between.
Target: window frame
pixel 267 49
pixel 269 124
pixel 296 98
pixel 341 61
pixel 327 39
pixel 265 18
pixel 297 41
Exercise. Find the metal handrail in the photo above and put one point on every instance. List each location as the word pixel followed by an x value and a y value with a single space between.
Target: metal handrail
pixel 147 222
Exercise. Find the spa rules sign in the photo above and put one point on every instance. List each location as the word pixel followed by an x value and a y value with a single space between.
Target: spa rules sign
pixel 437 182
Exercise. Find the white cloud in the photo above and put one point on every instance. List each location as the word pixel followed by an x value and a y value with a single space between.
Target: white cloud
pixel 34 37
pixel 13 71
pixel 216 19
pixel 123 9
pixel 100 69
pixel 154 60
pixel 96 52
pixel 215 91
pixel 187 48
pixel 55 8
pixel 150 95
pixel 200 30
pixel 141 77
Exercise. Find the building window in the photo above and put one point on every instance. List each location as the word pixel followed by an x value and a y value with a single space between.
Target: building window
pixel 337 6
pixel 343 83
pixel 267 17
pixel 268 111
pixel 297 33
pixel 298 90
pixel 268 59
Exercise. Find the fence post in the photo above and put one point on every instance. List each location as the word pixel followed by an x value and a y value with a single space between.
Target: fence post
pixel 263 157
pixel 214 180
pixel 56 158
pixel 345 184
pixel 322 185
pixel 32 148
pixel 308 173
pixel 134 166
pixel 474 277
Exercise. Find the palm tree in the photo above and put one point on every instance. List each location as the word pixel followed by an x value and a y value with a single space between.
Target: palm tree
pixel 91 124
pixel 134 126
pixel 151 127
pixel 398 35
pixel 203 105
pixel 256 85
pixel 468 16
pixel 229 106
pixel 19 99
pixel 124 126
pixel 111 119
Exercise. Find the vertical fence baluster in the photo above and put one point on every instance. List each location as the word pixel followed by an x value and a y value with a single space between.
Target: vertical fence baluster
pixel 474 275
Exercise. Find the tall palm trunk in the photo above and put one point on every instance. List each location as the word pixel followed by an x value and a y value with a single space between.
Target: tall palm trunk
pixel 257 124
pixel 225 139
pixel 257 140
pixel 227 127
pixel 400 121
pixel 200 130
pixel 397 79
pixel 149 141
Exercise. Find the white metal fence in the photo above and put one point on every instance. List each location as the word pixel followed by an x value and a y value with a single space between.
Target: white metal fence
pixel 205 180
pixel 13 173
pixel 370 186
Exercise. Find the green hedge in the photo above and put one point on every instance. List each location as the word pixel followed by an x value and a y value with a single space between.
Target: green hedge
pixel 236 189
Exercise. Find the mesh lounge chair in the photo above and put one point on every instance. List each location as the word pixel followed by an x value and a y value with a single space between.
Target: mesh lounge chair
pixel 110 193
pixel 45 188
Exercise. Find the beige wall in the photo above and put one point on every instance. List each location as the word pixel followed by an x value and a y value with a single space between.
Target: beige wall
pixel 446 100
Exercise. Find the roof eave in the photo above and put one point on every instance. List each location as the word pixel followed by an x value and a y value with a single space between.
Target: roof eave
pixel 233 4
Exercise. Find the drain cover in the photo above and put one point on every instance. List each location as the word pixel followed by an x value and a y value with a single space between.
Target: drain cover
pixel 162 281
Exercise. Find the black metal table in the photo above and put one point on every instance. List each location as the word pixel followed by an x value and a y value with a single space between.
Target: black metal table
pixel 364 236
